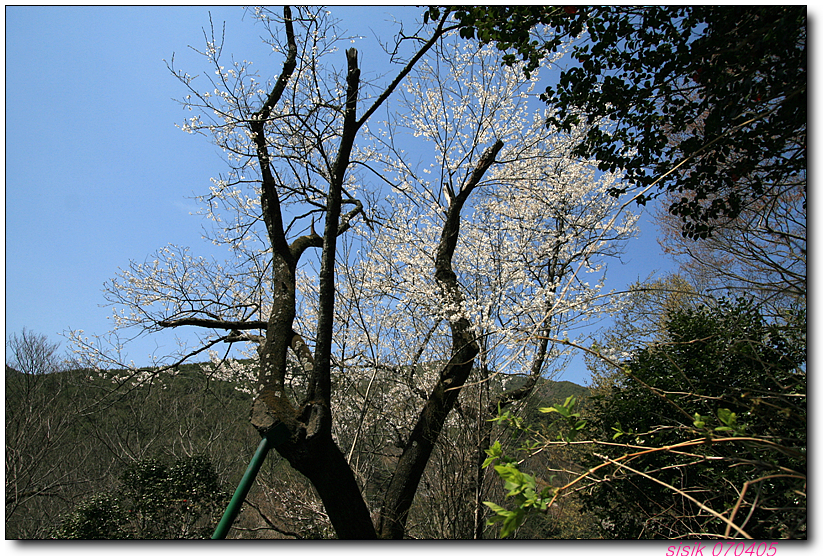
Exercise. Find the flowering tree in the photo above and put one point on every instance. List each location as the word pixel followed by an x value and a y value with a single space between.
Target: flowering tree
pixel 538 222
pixel 424 268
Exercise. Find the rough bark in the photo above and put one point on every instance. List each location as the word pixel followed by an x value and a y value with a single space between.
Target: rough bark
pixel 312 451
pixel 310 448
pixel 320 384
pixel 403 486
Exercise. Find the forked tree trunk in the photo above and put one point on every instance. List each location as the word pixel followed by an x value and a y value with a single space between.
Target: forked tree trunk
pixel 421 441
pixel 310 448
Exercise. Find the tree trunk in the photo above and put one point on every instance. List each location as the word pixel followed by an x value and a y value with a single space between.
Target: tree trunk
pixel 419 446
pixel 310 448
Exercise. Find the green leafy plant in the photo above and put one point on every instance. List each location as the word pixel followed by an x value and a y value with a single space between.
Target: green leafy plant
pixel 571 417
pixel 101 516
pixel 520 486
pixel 718 407
pixel 728 419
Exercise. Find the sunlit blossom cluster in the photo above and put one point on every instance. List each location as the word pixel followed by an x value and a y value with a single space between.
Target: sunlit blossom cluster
pixel 534 236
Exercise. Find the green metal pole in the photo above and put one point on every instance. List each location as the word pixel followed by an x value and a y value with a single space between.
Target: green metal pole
pixel 275 437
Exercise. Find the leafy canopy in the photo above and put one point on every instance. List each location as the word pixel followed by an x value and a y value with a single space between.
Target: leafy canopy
pixel 706 101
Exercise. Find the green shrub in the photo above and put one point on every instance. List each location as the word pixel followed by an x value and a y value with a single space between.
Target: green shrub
pixel 155 501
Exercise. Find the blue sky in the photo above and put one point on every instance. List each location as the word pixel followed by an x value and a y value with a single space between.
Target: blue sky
pixel 96 171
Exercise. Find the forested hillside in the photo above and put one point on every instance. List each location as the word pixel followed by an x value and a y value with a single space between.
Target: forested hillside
pixel 84 455
pixel 69 437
